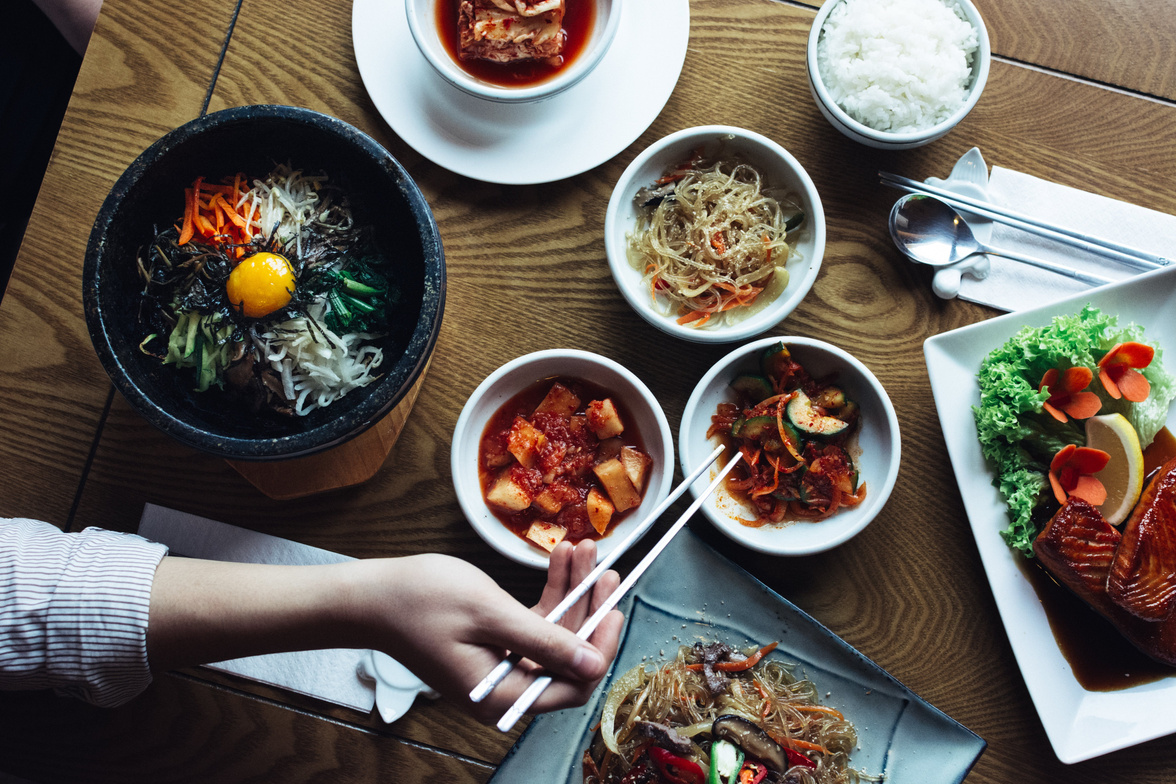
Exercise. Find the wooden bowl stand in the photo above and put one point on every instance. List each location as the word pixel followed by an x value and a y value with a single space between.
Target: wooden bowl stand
pixel 346 465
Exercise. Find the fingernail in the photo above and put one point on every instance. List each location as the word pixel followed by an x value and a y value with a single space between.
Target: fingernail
pixel 588 662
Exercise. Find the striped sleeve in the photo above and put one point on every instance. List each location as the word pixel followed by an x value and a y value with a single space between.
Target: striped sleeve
pixel 73 610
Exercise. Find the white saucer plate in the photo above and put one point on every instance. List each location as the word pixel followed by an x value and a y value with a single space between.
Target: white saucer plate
pixel 522 144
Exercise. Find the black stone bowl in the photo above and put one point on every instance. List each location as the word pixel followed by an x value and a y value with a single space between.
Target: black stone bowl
pixel 149 197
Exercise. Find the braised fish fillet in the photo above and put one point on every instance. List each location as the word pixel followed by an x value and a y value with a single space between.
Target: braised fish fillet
pixel 1078 548
pixel 506 31
pixel 1142 579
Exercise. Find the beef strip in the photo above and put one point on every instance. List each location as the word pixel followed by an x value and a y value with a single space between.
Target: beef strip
pixel 666 736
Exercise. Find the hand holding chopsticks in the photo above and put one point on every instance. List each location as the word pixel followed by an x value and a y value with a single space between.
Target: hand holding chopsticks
pixel 527 699
pixel 576 594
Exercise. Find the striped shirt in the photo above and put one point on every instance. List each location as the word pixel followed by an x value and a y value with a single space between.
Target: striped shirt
pixel 73 610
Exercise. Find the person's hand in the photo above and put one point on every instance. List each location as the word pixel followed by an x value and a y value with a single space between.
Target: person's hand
pixel 441 617
pixel 450 624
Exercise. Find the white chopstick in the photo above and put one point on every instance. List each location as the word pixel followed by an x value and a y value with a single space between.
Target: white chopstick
pixel 483 689
pixel 1129 256
pixel 528 697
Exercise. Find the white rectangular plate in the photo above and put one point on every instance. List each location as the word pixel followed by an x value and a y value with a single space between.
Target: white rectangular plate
pixel 1080 724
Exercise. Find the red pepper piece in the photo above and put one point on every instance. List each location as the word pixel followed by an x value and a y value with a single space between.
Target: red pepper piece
pixel 752 773
pixel 675 769
pixel 796 758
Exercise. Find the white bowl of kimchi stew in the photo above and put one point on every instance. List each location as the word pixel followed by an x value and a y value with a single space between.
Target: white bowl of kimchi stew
pixel 560 444
pixel 824 436
pixel 513 51
pixel 714 234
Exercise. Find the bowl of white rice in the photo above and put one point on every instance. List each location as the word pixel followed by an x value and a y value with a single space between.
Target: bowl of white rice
pixel 897 74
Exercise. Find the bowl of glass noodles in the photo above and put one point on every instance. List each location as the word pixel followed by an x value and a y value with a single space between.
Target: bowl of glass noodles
pixel 264 283
pixel 714 234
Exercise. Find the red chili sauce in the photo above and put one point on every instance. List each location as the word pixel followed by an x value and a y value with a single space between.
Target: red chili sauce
pixel 579 19
pixel 568 463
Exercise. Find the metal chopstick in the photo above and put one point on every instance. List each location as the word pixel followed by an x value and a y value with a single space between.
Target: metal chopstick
pixel 537 687
pixel 1133 258
pixel 483 689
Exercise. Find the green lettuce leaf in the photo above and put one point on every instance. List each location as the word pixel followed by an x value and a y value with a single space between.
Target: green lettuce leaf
pixel 1018 438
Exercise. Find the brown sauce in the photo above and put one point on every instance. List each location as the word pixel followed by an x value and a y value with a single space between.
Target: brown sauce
pixel 579 19
pixel 1100 657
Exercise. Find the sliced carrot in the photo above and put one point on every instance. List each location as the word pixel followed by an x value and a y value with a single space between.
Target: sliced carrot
pixel 188 229
pixel 797 743
pixel 718 242
pixel 694 315
pixel 1119 374
pixel 747 663
pixel 1067 395
pixel 819 709
pixel 1134 386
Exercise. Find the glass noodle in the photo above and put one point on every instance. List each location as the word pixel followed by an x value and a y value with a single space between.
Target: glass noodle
pixel 711 239
pixel 767 694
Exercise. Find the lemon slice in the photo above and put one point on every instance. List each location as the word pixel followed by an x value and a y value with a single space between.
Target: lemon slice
pixel 1123 476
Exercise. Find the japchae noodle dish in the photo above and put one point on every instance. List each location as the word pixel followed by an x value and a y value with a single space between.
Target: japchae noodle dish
pixel 268 290
pixel 793 431
pixel 711 239
pixel 715 715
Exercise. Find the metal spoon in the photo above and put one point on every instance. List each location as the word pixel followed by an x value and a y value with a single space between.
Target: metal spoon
pixel 931 231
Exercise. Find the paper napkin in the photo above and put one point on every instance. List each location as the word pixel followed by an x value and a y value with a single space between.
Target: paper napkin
pixel 331 675
pixel 1011 285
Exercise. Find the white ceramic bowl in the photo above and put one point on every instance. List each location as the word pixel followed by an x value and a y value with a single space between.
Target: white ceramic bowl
pixel 422 24
pixel 516 375
pixel 887 140
pixel 876 452
pixel 783 174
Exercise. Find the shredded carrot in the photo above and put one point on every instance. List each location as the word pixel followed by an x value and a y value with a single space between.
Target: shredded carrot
pixel 800 745
pixel 693 316
pixel 188 229
pixel 214 212
pixel 767 699
pixel 820 709
pixel 718 243
pixel 747 663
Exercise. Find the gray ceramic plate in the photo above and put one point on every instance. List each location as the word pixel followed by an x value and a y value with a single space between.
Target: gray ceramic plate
pixel 692 593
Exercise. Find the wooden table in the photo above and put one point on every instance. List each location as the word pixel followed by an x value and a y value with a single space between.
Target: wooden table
pixel 1080 92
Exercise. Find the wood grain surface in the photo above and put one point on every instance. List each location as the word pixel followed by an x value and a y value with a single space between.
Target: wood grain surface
pixel 527 271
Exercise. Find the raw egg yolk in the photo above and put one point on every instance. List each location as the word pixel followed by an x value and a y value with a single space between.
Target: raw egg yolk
pixel 260 284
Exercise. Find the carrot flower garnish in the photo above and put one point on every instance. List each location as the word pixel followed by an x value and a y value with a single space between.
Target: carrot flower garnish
pixel 1118 374
pixel 1067 395
pixel 1070 474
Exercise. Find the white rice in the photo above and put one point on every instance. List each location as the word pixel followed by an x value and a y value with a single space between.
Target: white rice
pixel 897 65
